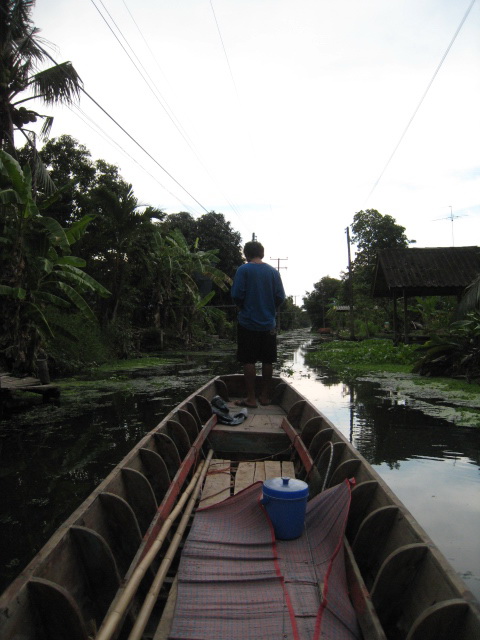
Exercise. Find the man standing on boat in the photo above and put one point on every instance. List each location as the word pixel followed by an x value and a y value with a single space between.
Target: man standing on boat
pixel 258 292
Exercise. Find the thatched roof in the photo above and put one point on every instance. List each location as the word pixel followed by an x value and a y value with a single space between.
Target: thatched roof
pixel 440 271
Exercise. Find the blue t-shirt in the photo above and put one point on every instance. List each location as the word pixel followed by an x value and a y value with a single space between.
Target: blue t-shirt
pixel 257 290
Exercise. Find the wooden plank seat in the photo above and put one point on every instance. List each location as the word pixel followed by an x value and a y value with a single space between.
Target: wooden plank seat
pixel 250 472
pixel 217 483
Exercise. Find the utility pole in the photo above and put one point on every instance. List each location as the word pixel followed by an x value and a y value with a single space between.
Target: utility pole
pixel 278 269
pixel 350 288
pixel 278 263
pixel 254 237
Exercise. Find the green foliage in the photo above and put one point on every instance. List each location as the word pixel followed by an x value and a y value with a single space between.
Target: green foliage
pixel 73 349
pixel 364 356
pixel 434 312
pixel 325 295
pixel 179 308
pixel 471 298
pixel 22 54
pixel 164 287
pixel 292 317
pixel 36 269
pixel 456 353
pixel 371 232
pixel 122 337
pixel 208 232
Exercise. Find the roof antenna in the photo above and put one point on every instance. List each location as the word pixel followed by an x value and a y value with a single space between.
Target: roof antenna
pixel 451 217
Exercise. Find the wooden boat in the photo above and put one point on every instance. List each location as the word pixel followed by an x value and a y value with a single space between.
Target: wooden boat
pixel 92 577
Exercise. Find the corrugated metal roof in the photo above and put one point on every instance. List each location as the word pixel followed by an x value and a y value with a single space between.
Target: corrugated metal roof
pixel 425 272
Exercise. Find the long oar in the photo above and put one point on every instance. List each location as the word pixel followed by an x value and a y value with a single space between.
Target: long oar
pixel 152 595
pixel 114 617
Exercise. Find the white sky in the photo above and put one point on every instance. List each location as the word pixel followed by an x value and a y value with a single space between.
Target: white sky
pixel 289 136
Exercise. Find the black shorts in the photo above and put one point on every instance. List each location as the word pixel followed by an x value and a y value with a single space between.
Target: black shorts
pixel 256 346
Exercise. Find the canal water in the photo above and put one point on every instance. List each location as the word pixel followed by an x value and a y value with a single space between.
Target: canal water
pixel 51 458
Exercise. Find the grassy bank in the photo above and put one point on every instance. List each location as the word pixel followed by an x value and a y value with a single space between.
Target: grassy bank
pixel 391 366
pixel 352 359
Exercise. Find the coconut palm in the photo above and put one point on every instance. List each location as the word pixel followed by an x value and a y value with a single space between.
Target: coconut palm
pixel 22 54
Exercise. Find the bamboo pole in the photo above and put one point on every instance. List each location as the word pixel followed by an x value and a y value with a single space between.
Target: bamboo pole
pixel 115 615
pixel 152 595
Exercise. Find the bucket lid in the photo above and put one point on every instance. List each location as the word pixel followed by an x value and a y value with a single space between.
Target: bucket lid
pixel 286 488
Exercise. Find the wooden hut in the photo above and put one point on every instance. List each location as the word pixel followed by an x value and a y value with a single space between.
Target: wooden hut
pixel 436 271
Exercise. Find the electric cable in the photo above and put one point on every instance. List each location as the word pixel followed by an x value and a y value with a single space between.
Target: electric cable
pixel 422 98
pixel 156 93
pixel 89 122
pixel 97 104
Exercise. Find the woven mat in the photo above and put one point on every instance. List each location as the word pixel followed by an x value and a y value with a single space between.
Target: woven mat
pixel 237 582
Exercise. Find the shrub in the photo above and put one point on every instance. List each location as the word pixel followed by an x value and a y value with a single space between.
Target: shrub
pixel 454 354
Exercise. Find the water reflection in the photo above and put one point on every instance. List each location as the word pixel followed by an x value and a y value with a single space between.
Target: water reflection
pixel 431 464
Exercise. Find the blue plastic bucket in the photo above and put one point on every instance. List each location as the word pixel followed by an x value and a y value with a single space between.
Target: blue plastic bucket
pixel 285 500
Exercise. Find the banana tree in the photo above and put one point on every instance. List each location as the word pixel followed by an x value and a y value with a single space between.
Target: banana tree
pixel 37 269
pixel 178 302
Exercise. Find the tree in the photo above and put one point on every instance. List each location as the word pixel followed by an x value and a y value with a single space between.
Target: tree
pixel 178 305
pixel 185 223
pixel 372 232
pixel 326 292
pixel 70 166
pixel 212 231
pixel 37 270
pixel 292 317
pixel 118 243
pixel 20 55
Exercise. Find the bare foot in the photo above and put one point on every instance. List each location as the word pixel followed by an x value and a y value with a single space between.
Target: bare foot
pixel 245 403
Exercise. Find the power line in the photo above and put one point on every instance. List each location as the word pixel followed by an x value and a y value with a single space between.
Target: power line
pixel 224 50
pixel 102 133
pixel 143 149
pixel 423 97
pixel 132 138
pixel 157 94
pixel 232 77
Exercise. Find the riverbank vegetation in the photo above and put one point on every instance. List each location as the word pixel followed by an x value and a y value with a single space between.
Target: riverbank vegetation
pixel 398 364
pixel 447 334
pixel 140 281
pixel 354 358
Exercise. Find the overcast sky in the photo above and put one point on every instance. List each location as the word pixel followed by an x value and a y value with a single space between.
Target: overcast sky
pixel 284 114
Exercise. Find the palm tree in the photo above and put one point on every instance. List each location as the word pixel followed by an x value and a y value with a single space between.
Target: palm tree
pixel 22 80
pixel 118 242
